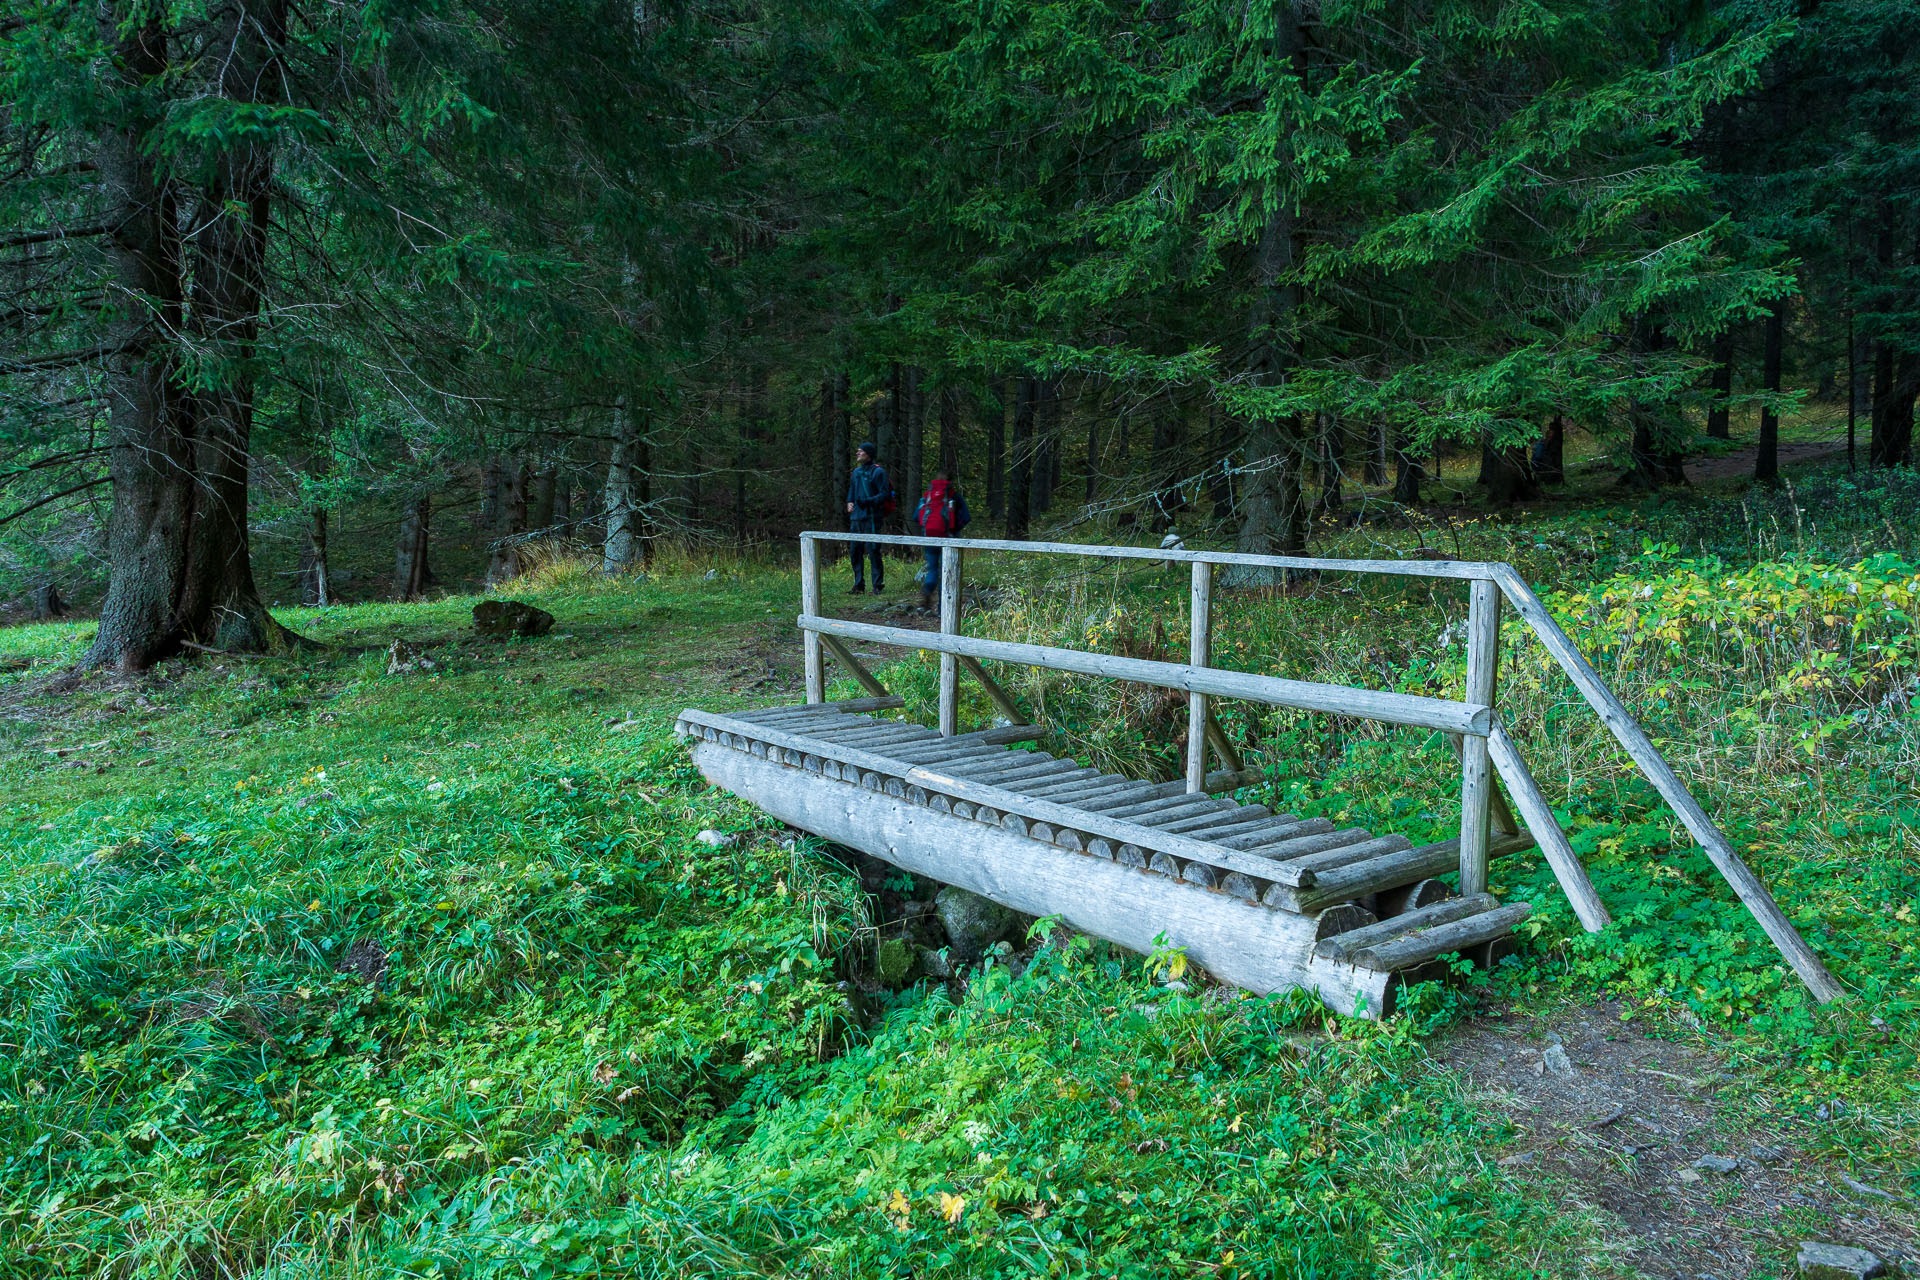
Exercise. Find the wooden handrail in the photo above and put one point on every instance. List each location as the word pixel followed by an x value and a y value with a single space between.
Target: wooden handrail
pixel 1391 708
pixel 1475 720
pixel 1458 569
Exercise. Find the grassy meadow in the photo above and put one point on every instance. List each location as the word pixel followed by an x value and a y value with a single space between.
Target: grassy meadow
pixel 314 970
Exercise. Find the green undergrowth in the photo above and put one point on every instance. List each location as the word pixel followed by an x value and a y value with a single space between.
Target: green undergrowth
pixel 319 970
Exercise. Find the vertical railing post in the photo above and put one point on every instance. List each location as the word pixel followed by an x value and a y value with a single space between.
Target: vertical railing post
pixel 1199 654
pixel 1476 772
pixel 949 625
pixel 810 605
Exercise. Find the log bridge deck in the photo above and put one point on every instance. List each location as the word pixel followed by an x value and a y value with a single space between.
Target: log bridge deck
pixel 1264 900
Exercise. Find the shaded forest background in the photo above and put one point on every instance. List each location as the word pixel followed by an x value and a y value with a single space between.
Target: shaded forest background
pixel 486 274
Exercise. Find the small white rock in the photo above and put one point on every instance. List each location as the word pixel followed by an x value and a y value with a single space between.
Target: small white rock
pixel 715 839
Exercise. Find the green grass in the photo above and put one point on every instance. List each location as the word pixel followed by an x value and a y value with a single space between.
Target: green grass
pixel 314 970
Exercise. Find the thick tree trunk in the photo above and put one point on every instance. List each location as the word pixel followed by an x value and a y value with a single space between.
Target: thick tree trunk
pixel 1719 414
pixel 563 500
pixel 1551 466
pixel 1376 472
pixel 1656 460
pixel 1020 483
pixel 1509 476
pixel 410 560
pixel 1766 458
pixel 177 538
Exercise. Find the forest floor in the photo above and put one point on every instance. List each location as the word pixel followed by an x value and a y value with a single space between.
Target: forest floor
pixel 322 967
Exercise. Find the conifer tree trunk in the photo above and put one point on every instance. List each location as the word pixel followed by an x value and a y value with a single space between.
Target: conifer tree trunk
pixel 545 482
pixel 916 446
pixel 1407 472
pixel 1046 425
pixel 315 574
pixel 1020 483
pixel 1719 415
pixel 1376 465
pixel 177 538
pixel 621 548
pixel 1331 476
pixel 1552 468
pixel 410 560
pixel 997 451
pixel 505 560
pixel 1766 459
pixel 839 451
pixel 950 432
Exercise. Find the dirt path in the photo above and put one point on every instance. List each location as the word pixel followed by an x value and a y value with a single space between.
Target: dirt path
pixel 1617 1125
pixel 1740 462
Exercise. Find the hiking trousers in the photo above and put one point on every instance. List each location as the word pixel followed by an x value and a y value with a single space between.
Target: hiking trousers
pixel 870 550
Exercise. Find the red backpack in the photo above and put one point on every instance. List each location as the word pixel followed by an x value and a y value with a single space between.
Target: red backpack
pixel 936 510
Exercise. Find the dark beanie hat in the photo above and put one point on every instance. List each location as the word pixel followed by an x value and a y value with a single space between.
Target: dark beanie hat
pixel 869 448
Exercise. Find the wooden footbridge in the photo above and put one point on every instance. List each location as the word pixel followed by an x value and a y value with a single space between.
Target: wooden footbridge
pixel 1264 900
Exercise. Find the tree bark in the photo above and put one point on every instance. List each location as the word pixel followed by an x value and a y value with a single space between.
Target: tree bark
pixel 1332 476
pixel 316 574
pixel 1719 415
pixel 1020 483
pixel 544 498
pixel 997 452
pixel 1046 431
pixel 1272 515
pixel 177 538
pixel 1766 458
pixel 410 561
pixel 1407 472
pixel 950 432
pixel 1509 475
pixel 1552 466
pixel 504 563
pixel 623 545
pixel 916 444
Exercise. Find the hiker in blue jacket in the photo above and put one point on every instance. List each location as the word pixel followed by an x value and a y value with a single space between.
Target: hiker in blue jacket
pixel 870 498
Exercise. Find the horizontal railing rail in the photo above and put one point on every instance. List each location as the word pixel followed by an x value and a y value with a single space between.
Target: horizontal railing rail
pixel 1334 699
pixel 1458 569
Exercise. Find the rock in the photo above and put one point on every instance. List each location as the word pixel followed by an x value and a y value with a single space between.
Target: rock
pixel 1687 1175
pixel 1513 1161
pixel 1765 1154
pixel 405 656
pixel 1555 1059
pixel 510 618
pixel 1553 1037
pixel 1716 1164
pixel 715 839
pixel 935 964
pixel 973 923
pixel 894 962
pixel 710 575
pixel 1820 1261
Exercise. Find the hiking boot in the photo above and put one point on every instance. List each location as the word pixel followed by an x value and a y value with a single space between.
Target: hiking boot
pixel 858 590
pixel 926 602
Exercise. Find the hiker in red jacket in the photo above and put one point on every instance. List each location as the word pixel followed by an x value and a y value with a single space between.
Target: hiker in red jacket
pixel 942 513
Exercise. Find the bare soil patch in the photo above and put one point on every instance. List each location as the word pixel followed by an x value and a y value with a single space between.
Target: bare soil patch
pixel 1620 1125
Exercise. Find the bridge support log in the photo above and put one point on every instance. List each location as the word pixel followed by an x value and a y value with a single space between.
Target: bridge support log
pixel 1250 946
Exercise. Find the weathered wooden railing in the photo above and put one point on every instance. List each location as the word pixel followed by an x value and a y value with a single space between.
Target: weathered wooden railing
pixel 1472 723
